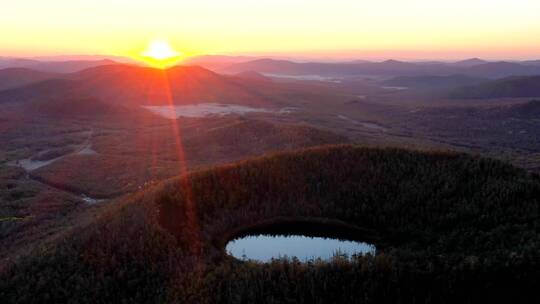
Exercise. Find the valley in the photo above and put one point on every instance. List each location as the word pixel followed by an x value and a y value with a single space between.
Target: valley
pixel 75 148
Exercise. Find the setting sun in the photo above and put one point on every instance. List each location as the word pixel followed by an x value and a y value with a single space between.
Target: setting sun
pixel 160 50
pixel 160 54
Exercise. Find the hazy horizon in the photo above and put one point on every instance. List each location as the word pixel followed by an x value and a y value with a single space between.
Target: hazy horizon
pixel 280 56
pixel 342 30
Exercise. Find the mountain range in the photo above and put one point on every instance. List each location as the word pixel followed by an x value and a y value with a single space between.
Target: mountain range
pixel 473 67
pixel 388 68
pixel 54 66
pixel 128 84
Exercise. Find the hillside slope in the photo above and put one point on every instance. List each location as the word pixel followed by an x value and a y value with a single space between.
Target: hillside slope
pixel 70 65
pixel 134 86
pixel 386 68
pixel 527 86
pixel 433 82
pixel 128 161
pixel 448 227
pixel 16 77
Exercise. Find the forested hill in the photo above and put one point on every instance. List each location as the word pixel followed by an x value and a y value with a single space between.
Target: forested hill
pixel 449 228
pixel 526 86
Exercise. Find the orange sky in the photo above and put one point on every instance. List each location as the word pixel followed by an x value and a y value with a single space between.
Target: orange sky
pixel 412 29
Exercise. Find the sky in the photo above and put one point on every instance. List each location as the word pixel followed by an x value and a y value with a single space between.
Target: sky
pixel 399 29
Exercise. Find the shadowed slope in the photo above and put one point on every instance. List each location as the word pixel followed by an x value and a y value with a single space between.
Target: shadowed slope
pixel 133 85
pixel 528 86
pixel 16 77
pixel 449 228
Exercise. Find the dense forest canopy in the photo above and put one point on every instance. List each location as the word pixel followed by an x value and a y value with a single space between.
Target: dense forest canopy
pixel 448 228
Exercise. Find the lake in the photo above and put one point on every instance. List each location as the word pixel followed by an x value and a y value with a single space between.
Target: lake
pixel 211 109
pixel 263 248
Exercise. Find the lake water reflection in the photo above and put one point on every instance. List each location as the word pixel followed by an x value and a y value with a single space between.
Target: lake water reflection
pixel 265 247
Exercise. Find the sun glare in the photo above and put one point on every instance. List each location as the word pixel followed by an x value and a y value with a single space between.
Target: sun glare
pixel 160 54
pixel 160 50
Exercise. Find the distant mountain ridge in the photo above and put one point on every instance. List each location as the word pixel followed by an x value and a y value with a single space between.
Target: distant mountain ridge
pixel 216 62
pixel 507 87
pixel 237 64
pixel 389 68
pixel 135 85
pixel 69 66
pixel 16 77
pixel 470 62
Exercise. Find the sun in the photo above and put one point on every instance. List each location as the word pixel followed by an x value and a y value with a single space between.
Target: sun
pixel 160 54
pixel 160 50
